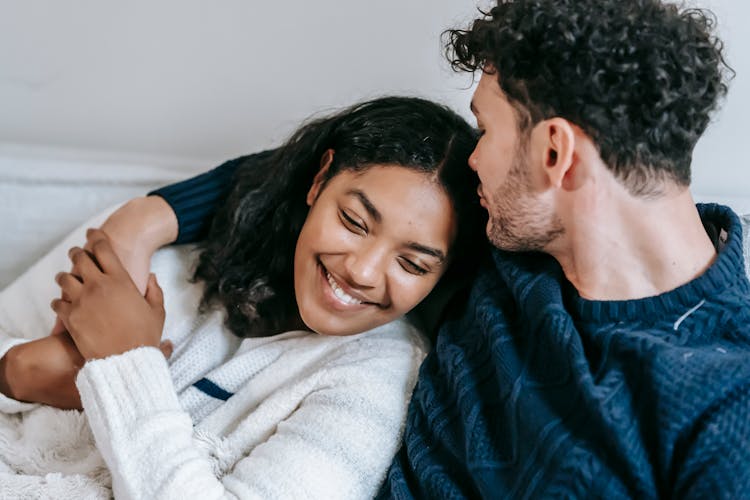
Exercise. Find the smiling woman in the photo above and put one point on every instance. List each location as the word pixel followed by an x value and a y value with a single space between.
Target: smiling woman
pixel 291 363
pixel 373 246
pixel 407 159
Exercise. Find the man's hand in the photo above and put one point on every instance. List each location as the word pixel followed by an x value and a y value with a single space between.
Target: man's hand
pixel 102 308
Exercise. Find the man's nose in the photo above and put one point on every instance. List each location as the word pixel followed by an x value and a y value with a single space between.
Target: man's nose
pixel 473 160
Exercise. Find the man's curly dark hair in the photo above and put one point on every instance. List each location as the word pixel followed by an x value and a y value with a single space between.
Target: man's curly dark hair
pixel 640 77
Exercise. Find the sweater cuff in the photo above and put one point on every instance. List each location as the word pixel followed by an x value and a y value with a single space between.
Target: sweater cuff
pixel 195 200
pixel 118 391
pixel 7 404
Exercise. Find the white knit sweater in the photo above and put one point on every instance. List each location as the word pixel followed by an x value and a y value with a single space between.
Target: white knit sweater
pixel 296 415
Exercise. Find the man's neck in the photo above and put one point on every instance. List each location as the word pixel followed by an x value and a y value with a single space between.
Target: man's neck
pixel 630 248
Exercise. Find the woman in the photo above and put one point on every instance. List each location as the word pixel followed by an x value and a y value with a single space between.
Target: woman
pixel 341 232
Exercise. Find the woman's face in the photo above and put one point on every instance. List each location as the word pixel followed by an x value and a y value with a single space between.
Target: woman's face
pixel 374 244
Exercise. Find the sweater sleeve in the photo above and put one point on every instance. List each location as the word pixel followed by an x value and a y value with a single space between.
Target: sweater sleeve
pixel 337 443
pixel 196 200
pixel 715 463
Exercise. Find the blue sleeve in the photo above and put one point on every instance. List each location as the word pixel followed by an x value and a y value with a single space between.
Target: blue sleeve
pixel 196 200
pixel 717 459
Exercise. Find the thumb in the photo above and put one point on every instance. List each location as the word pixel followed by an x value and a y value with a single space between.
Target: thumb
pixel 154 294
pixel 166 348
pixel 59 327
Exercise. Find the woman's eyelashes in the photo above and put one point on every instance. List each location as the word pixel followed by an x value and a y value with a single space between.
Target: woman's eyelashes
pixel 358 227
pixel 351 224
pixel 411 267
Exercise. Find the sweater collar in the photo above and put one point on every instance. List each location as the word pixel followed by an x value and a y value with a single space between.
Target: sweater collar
pixel 727 271
pixel 536 280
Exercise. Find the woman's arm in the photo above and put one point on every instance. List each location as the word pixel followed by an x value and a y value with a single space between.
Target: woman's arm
pixel 336 443
pixel 43 370
pixel 330 435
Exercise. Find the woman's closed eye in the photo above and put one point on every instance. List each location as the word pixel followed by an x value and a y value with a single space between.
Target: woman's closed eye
pixel 352 224
pixel 411 267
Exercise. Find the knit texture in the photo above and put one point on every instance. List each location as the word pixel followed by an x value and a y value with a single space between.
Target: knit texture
pixel 535 392
pixel 300 415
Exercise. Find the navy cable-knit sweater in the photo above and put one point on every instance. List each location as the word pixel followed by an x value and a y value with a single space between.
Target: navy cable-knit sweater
pixel 534 392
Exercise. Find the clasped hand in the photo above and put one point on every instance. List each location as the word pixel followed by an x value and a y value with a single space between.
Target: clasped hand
pixel 101 307
pixel 104 314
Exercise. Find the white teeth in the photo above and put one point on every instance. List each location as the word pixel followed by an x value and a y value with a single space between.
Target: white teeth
pixel 341 294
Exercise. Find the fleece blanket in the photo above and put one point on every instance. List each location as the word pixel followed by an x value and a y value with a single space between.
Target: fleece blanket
pixel 45 453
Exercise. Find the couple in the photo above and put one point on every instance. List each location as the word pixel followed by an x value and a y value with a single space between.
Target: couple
pixel 602 348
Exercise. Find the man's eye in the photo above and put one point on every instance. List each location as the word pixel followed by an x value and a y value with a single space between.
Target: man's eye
pixel 411 267
pixel 351 224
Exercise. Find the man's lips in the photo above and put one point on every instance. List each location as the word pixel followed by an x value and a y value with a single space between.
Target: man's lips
pixel 482 200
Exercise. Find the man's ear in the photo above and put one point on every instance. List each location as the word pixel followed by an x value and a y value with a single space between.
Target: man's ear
pixel 559 142
pixel 320 177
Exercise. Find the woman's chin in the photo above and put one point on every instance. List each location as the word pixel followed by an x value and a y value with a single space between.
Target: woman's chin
pixel 336 326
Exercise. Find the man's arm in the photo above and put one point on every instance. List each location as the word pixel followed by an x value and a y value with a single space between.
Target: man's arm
pixel 195 201
pixel 716 460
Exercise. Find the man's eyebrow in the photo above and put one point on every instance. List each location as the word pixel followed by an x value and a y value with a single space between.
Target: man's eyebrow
pixel 428 250
pixel 362 197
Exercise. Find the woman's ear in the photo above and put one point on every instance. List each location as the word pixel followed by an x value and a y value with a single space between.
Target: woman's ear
pixel 320 177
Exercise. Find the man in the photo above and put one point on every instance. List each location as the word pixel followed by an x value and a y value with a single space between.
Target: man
pixel 604 349
pixel 621 366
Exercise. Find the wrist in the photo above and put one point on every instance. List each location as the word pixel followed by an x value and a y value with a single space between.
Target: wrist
pixel 146 223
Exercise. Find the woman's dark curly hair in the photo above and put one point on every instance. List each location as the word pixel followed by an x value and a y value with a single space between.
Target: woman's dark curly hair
pixel 247 259
pixel 640 77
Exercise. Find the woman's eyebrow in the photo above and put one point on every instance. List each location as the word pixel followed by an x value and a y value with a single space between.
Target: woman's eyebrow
pixel 362 197
pixel 375 214
pixel 428 250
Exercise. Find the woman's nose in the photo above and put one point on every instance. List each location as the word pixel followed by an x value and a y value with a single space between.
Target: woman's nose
pixel 366 266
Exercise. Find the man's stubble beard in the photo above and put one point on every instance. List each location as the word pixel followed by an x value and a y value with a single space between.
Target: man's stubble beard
pixel 519 221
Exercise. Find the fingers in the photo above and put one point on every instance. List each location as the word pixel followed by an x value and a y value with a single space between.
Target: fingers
pixel 70 285
pixel 103 252
pixel 62 309
pixel 84 264
pixel 154 293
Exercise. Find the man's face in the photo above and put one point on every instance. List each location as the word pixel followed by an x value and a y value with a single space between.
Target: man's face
pixel 520 217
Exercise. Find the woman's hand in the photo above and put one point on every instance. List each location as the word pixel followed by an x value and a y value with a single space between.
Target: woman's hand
pixel 102 308
pixel 136 230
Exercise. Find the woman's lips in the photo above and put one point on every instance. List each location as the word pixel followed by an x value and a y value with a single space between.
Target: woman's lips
pixel 341 301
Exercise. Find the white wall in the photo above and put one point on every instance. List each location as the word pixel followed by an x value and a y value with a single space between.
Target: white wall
pixel 194 82
pixel 721 166
pixel 203 80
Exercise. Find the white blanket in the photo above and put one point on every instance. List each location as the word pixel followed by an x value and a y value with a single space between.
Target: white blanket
pixel 45 453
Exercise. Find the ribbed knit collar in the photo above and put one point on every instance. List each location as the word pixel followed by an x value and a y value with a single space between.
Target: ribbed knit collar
pixel 726 271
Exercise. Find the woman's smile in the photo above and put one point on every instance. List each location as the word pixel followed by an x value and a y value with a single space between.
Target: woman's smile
pixel 372 247
pixel 339 296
